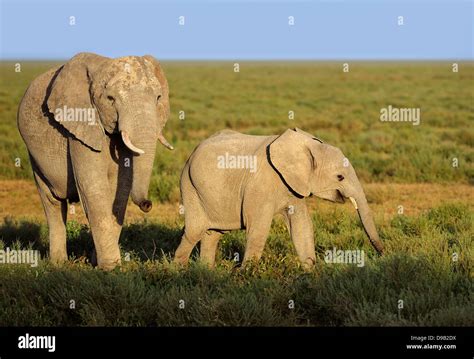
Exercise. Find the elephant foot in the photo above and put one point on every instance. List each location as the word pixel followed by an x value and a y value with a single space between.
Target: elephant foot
pixel 58 258
pixel 183 252
pixel 106 264
pixel 109 265
pixel 308 264
pixel 182 261
pixel 209 264
pixel 251 262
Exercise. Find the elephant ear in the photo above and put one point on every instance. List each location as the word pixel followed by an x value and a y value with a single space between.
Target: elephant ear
pixel 291 156
pixel 164 102
pixel 296 129
pixel 70 100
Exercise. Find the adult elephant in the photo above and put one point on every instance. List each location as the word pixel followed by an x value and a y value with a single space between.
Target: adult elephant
pixel 91 128
pixel 263 176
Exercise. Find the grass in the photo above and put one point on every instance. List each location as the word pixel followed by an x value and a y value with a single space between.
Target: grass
pixel 429 261
pixel 341 108
pixel 150 294
pixel 147 290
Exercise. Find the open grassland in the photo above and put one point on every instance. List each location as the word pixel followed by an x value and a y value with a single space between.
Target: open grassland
pixel 342 109
pixel 429 261
pixel 147 290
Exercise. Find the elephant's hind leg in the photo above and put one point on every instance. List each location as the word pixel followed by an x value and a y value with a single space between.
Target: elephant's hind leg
pixel 56 213
pixel 209 242
pixel 189 240
pixel 196 222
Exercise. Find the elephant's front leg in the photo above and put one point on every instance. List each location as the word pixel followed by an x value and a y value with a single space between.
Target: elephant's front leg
pixel 300 227
pixel 91 174
pixel 258 221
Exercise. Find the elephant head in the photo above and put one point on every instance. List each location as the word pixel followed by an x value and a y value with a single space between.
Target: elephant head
pixel 310 167
pixel 127 96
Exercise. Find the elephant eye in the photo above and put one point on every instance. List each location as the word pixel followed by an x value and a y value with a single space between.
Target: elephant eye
pixel 340 177
pixel 158 98
pixel 111 98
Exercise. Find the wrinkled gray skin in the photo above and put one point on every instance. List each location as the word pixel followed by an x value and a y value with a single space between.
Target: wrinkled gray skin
pixel 290 167
pixel 102 162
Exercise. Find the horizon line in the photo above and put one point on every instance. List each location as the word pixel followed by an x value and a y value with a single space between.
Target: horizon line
pixel 381 59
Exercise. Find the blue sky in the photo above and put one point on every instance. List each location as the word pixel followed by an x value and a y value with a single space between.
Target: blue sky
pixel 233 30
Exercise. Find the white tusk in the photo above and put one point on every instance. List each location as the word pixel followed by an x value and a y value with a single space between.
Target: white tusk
pixel 129 144
pixel 165 143
pixel 354 202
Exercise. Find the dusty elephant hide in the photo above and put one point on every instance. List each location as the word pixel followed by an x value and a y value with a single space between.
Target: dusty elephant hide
pixel 91 128
pixel 237 181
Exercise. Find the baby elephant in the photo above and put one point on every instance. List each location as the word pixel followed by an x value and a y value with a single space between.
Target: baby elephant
pixel 236 181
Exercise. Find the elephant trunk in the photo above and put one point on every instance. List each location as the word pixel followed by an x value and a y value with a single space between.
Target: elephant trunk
pixel 142 170
pixel 139 134
pixel 360 203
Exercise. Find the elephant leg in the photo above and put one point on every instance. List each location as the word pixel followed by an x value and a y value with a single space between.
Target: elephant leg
pixel 120 181
pixel 300 227
pixel 115 230
pixel 120 186
pixel 209 243
pixel 56 214
pixel 104 228
pixel 92 182
pixel 189 240
pixel 258 223
pixel 196 224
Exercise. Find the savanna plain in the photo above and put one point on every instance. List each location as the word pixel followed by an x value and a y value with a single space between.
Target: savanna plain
pixel 418 180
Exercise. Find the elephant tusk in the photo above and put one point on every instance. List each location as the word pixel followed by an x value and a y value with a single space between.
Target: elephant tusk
pixel 165 143
pixel 129 144
pixel 354 202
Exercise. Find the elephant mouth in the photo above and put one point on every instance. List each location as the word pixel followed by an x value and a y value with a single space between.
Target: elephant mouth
pixel 331 195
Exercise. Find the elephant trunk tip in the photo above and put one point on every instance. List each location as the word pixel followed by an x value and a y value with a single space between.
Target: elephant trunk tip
pixel 146 205
pixel 376 243
pixel 378 247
